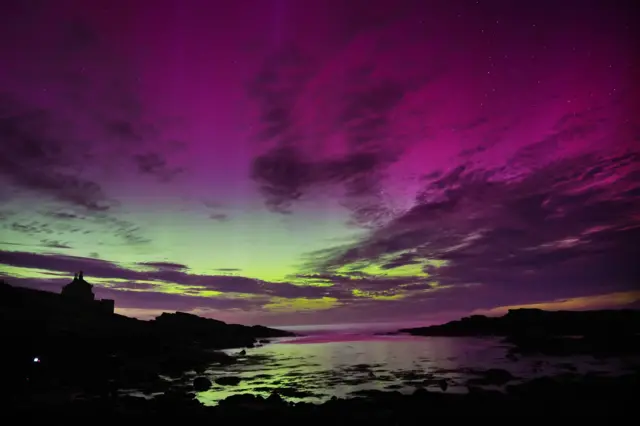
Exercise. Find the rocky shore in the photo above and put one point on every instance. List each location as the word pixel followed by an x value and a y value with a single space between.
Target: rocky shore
pixel 64 349
pixel 569 395
pixel 556 333
pixel 59 363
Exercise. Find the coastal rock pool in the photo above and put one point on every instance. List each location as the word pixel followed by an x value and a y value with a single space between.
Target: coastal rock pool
pixel 316 368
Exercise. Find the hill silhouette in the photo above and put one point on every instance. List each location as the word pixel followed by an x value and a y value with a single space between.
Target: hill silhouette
pixel 80 343
pixel 603 332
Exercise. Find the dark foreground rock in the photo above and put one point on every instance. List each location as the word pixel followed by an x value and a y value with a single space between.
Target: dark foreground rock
pixel 228 380
pixel 201 384
pixel 596 345
pixel 492 376
pixel 548 397
pixel 51 343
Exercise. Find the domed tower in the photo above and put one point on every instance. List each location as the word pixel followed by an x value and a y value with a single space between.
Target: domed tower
pixel 78 290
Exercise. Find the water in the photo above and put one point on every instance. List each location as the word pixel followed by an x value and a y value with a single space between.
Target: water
pixel 315 368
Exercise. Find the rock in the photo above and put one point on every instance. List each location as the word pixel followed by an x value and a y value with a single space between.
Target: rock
pixel 136 374
pixel 498 376
pixel 511 356
pixel 420 393
pixel 475 392
pixel 242 399
pixel 535 330
pixel 176 397
pixel 443 384
pixel 493 376
pixel 201 384
pixel 275 399
pixel 228 380
pixel 567 366
pixel 590 395
pixel 293 392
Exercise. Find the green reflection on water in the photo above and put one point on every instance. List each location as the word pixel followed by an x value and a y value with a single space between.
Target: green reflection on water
pixel 314 372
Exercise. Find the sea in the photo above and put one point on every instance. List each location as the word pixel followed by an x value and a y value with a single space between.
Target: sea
pixel 345 361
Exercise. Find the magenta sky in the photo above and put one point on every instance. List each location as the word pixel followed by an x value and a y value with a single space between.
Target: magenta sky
pixel 308 162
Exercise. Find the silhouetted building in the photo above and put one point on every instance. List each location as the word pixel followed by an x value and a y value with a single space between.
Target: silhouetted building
pixel 106 305
pixel 78 290
pixel 76 299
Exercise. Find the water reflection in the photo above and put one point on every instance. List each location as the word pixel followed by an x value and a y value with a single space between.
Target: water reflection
pixel 316 368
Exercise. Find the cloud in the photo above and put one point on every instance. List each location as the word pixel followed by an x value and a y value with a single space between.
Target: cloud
pixel 168 276
pixel 275 87
pixel 62 214
pixel 348 281
pixel 55 244
pixel 129 232
pixel 299 305
pixel 34 150
pixel 171 302
pixel 473 176
pixel 62 263
pixel 156 165
pixel 164 265
pixel 30 228
pixel 166 288
pixel 336 118
pixel 135 295
pixel 629 299
pixel 217 211
pixel 72 114
pixel 284 175
pixel 220 217
pixel 124 130
pixel 284 172
pixel 561 229
pixel 58 221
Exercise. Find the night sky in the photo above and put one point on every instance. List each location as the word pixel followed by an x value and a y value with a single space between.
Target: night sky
pixel 312 162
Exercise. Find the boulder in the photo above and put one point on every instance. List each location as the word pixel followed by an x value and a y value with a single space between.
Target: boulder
pixel 201 384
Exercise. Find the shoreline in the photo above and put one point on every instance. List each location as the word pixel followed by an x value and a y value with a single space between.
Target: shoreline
pixel 212 387
pixel 69 362
pixel 568 395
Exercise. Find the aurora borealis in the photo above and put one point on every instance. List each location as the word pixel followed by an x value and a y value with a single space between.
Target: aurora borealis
pixel 313 162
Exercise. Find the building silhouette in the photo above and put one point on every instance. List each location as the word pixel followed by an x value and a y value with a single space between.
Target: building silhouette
pixel 78 290
pixel 76 299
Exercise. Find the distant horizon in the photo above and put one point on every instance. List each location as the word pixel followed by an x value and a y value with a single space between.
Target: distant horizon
pixel 604 302
pixel 334 328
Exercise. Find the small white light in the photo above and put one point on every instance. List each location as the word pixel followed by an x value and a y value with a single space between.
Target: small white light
pixel 36 359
